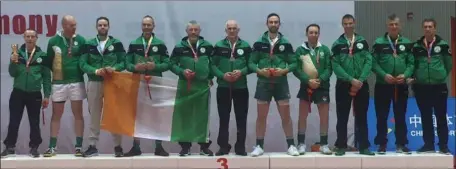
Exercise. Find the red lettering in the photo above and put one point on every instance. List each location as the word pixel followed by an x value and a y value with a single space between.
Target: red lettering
pixel 19 24
pixel 4 24
pixel 36 23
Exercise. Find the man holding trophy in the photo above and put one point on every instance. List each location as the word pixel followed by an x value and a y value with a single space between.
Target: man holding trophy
pixel 30 76
pixel 64 51
pixel 101 56
pixel 314 71
pixel 147 55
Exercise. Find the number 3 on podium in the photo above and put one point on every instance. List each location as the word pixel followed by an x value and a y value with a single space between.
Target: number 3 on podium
pixel 223 163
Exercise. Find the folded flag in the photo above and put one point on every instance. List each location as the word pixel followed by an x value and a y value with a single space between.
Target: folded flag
pixel 169 113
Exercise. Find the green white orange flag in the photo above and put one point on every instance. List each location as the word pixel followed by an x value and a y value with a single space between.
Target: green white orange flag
pixel 171 113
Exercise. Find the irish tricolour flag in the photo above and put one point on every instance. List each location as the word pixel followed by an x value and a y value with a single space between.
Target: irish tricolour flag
pixel 160 108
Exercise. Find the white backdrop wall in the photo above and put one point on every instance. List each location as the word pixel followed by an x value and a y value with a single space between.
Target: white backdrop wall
pixel 170 18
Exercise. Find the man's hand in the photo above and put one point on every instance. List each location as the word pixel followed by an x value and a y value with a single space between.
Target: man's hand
pixel 264 72
pixel 140 67
pixel 15 58
pixel 410 81
pixel 45 103
pixel 228 76
pixel 100 72
pixel 237 73
pixel 389 79
pixel 314 83
pixel 150 65
pixel 279 72
pixel 109 70
pixel 356 83
pixel 400 79
pixel 189 74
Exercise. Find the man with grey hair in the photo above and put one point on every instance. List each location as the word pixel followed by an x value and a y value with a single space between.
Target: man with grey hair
pixel 230 67
pixel 191 60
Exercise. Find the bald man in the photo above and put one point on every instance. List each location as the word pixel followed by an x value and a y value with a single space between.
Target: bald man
pixel 230 67
pixel 63 53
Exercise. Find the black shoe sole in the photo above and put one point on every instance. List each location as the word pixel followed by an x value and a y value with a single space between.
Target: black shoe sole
pixel 89 155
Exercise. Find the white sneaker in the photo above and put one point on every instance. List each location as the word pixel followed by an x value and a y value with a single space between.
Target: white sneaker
pixel 324 149
pixel 257 151
pixel 293 151
pixel 302 149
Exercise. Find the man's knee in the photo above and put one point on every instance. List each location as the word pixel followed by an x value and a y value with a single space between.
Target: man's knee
pixel 285 102
pixel 262 102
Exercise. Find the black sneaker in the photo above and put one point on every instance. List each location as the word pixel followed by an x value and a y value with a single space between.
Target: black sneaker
pixel 184 152
pixel 403 149
pixel 8 152
pixel 206 152
pixel 91 151
pixel 133 152
pixel 223 151
pixel 34 152
pixel 444 150
pixel 118 151
pixel 160 151
pixel 78 152
pixel 381 149
pixel 426 149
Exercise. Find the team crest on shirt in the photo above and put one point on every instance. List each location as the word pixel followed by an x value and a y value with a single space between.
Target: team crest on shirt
pixel 39 60
pixel 360 46
pixel 203 50
pixel 322 54
pixel 75 43
pixel 111 48
pixel 57 49
pixel 240 52
pixel 281 48
pixel 324 98
pixel 402 47
pixel 154 49
pixel 437 49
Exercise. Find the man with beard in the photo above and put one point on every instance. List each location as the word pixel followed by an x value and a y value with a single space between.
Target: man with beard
pixel 29 72
pixel 393 63
pixel 272 59
pixel 191 61
pixel 64 51
pixel 314 70
pixel 352 64
pixel 147 55
pixel 433 64
pixel 230 66
pixel 101 56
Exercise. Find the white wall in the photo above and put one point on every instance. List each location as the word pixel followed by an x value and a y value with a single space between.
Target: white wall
pixel 170 18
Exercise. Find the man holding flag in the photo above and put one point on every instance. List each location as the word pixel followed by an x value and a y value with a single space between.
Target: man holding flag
pixel 101 56
pixel 30 75
pixel 191 61
pixel 352 64
pixel 230 66
pixel 147 55
pixel 393 63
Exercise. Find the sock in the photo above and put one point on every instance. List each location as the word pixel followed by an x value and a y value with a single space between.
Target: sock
pixel 136 143
pixel 52 142
pixel 78 142
pixel 301 138
pixel 260 142
pixel 158 144
pixel 323 139
pixel 290 141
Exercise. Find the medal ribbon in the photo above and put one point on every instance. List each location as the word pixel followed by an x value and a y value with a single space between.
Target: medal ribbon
pixel 271 55
pixel 195 57
pixel 147 46
pixel 393 45
pixel 232 58
pixel 27 65
pixel 101 50
pixel 350 44
pixel 428 48
pixel 69 45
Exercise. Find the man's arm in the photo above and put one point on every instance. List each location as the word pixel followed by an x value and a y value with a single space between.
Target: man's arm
pixel 291 59
pixel 163 64
pixel 84 61
pixel 253 60
pixel 120 53
pixel 375 65
pixel 327 71
pixel 215 63
pixel 339 70
pixel 46 74
pixel 13 69
pixel 174 62
pixel 410 64
pixel 367 69
pixel 247 53
pixel 130 59
pixel 49 60
pixel 447 60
